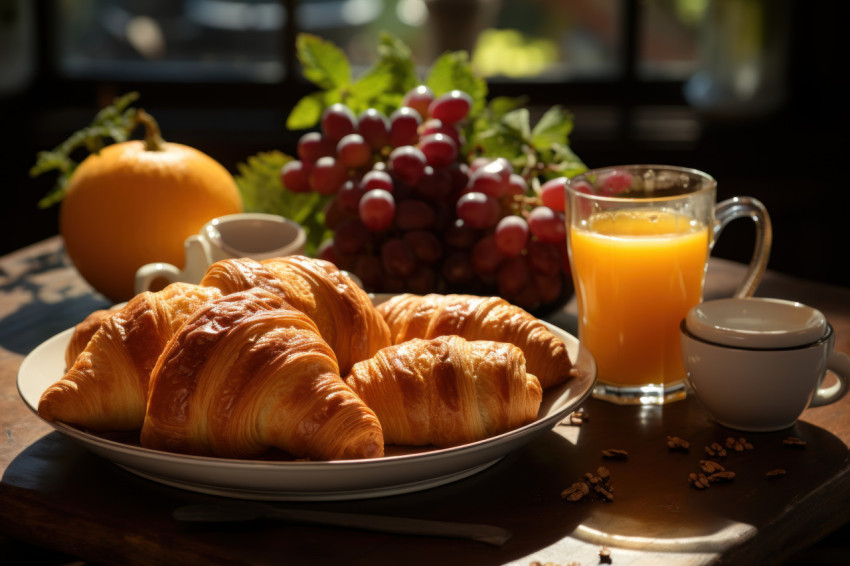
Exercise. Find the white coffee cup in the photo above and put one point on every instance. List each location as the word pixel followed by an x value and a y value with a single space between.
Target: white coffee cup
pixel 756 364
pixel 254 235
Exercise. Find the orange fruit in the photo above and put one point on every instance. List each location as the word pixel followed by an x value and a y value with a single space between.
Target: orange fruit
pixel 128 205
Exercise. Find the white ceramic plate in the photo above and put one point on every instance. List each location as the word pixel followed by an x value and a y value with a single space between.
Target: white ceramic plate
pixel 398 472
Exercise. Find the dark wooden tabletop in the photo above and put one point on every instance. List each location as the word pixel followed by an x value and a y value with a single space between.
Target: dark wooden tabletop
pixel 55 494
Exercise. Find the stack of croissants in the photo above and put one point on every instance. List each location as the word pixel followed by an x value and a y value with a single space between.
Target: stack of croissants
pixel 290 354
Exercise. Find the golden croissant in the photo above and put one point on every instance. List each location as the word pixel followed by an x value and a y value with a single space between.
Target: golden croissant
pixel 346 318
pixel 447 391
pixel 248 373
pixel 106 387
pixel 83 332
pixel 480 318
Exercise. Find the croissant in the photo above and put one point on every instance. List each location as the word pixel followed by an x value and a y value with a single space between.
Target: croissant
pixel 447 391
pixel 346 318
pixel 83 332
pixel 105 389
pixel 480 318
pixel 248 373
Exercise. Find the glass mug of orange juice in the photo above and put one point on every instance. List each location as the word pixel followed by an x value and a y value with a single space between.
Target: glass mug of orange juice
pixel 639 238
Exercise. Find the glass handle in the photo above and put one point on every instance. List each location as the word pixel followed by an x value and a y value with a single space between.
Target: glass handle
pixel 747 207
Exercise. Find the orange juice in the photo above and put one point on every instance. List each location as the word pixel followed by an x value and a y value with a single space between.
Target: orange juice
pixel 636 274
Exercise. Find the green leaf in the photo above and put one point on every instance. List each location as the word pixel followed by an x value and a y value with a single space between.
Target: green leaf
pixel 306 113
pixel 553 127
pixel 369 88
pixel 519 122
pixel 323 63
pixel 564 162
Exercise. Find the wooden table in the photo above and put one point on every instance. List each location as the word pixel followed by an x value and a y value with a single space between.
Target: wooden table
pixel 57 495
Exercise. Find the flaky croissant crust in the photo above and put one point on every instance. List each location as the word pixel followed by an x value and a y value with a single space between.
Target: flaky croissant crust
pixel 447 391
pixel 343 312
pixel 106 387
pixel 249 373
pixel 480 318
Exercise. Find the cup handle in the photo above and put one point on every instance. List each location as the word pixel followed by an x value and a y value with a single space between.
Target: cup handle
pixel 839 364
pixel 150 272
pixel 741 207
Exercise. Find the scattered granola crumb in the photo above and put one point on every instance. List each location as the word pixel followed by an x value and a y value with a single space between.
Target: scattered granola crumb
pixel 794 442
pixel 615 454
pixel 576 418
pixel 715 450
pixel 777 473
pixel 676 443
pixel 723 476
pixel 596 484
pixel 710 466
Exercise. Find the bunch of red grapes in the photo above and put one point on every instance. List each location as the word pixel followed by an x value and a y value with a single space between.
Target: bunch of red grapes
pixel 410 213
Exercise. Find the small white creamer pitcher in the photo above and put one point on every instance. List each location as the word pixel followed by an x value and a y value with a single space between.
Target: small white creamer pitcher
pixel 254 235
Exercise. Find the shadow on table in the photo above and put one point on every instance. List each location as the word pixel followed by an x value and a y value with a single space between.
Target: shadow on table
pixel 45 307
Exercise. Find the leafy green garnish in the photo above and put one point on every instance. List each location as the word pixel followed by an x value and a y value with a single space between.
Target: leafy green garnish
pixel 112 124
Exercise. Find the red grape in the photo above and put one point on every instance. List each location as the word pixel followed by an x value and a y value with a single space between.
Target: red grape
pixel 512 276
pixel 397 258
pixel 546 224
pixel 517 185
pixel 615 182
pixel 425 245
pixel 486 257
pixel 490 183
pixel 295 176
pixel 548 287
pixel 351 237
pixel 404 126
pixel 353 151
pixel 511 235
pixel 374 126
pixel 413 214
pixel 422 281
pixel 334 213
pixel 419 98
pixel 478 210
pixel 439 149
pixel 434 126
pixel 553 193
pixel 435 184
pixel 479 162
pixel 377 179
pixel 544 258
pixel 349 196
pixel 460 175
pixel 313 145
pixel 377 209
pixel 327 252
pixel 460 234
pixel 408 163
pixel 451 107
pixel 337 121
pixel 327 175
pixel 369 269
pixel 457 269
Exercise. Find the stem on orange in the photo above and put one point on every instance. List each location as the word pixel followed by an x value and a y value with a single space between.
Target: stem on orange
pixel 153 138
